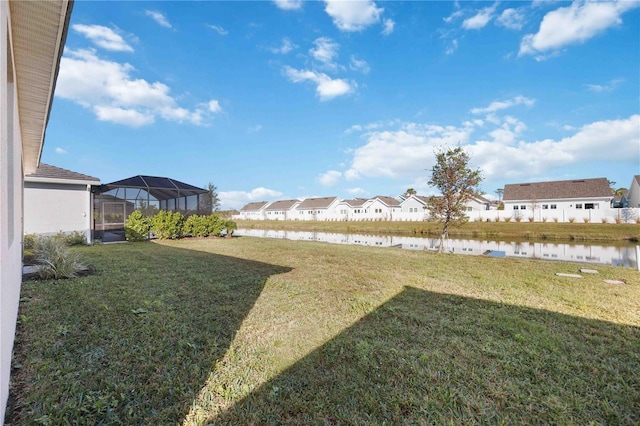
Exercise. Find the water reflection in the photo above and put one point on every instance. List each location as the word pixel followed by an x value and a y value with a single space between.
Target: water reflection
pixel 585 253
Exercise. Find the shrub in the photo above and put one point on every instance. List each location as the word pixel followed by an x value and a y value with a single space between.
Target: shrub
pixel 572 219
pixel 518 219
pixel 604 220
pixel 507 219
pixel 137 227
pixel 55 259
pixel 531 219
pixel 167 225
pixel 75 238
pixel 585 219
pixel 230 226
pixel 204 226
pixel 544 219
pixel 555 219
pixel 29 241
pixel 618 220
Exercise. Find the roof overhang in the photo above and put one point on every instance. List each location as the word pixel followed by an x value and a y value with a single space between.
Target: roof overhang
pixel 38 33
pixel 61 181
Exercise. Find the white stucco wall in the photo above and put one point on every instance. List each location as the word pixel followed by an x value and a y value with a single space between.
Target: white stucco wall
pixel 10 209
pixel 55 207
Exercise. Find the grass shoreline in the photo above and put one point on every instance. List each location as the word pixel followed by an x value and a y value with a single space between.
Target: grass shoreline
pixel 256 331
pixel 600 232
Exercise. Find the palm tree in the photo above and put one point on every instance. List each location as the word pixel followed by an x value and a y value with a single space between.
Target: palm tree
pixel 409 192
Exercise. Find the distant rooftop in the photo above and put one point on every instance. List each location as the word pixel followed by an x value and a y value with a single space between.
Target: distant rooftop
pixel 47 171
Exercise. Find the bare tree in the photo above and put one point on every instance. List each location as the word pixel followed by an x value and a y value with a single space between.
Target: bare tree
pixel 457 183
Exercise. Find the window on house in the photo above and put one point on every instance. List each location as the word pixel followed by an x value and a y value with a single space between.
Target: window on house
pixel 469 209
pixel 579 206
pixel 554 206
pixel 590 206
pixel 515 207
pixel 523 207
pixel 545 206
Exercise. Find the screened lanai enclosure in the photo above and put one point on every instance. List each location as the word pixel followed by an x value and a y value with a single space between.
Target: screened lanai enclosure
pixel 114 202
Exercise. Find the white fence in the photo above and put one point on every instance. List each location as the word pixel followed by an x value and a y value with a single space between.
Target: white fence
pixel 604 215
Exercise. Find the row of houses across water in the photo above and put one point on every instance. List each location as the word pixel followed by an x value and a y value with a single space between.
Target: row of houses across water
pixel 580 200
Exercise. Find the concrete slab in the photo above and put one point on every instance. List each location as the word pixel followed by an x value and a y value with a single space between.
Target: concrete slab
pixel 561 274
pixel 588 271
pixel 614 282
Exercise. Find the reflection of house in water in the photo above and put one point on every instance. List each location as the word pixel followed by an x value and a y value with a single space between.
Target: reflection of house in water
pixel 596 254
pixel 114 202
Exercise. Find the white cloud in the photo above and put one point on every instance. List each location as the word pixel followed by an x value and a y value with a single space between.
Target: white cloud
pixel 128 117
pixel 512 19
pixel 330 178
pixel 255 129
pixel 607 87
pixel 409 150
pixel 214 106
pixel 455 15
pixel 608 140
pixel 359 65
pixel 500 105
pixel 480 19
pixel 353 15
pixel 452 48
pixel 60 151
pixel 238 199
pixel 356 191
pixel 103 37
pixel 288 4
pixel 218 29
pixel 108 89
pixel 573 24
pixel 404 152
pixel 159 18
pixel 325 52
pixel 286 47
pixel 389 26
pixel 326 87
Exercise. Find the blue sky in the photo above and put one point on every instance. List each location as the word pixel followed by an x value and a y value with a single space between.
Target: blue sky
pixel 292 99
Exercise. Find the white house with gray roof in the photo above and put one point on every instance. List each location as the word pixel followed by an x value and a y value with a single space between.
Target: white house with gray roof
pixel 281 210
pixel 560 200
pixel 58 200
pixel 254 211
pixel 634 192
pixel 321 208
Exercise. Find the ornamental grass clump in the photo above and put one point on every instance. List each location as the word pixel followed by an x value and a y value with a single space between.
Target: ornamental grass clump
pixel 55 259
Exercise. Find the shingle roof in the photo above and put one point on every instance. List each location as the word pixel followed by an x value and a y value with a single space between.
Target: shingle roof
pixel 251 207
pixel 389 201
pixel 53 172
pixel 580 188
pixel 356 202
pixel 316 203
pixel 282 205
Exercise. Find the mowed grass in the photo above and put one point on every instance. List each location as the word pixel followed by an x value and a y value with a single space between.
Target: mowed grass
pixel 524 230
pixel 256 331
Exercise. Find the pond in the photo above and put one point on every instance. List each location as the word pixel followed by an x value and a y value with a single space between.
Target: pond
pixel 619 255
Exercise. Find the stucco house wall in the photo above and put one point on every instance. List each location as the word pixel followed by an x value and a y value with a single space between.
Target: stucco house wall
pixel 58 200
pixel 32 35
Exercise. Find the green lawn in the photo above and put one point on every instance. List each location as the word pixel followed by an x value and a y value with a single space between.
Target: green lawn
pixel 257 331
pixel 611 232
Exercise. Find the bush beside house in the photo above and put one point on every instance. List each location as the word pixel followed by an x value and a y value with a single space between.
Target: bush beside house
pixel 173 225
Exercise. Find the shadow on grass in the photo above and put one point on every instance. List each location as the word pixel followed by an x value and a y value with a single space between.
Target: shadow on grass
pixel 429 358
pixel 134 344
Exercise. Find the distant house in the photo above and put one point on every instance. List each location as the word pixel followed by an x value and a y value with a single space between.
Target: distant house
pixel 634 192
pixel 570 196
pixel 254 211
pixel 382 207
pixel 281 210
pixel 478 202
pixel 57 200
pixel 414 207
pixel 323 208
pixel 351 209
